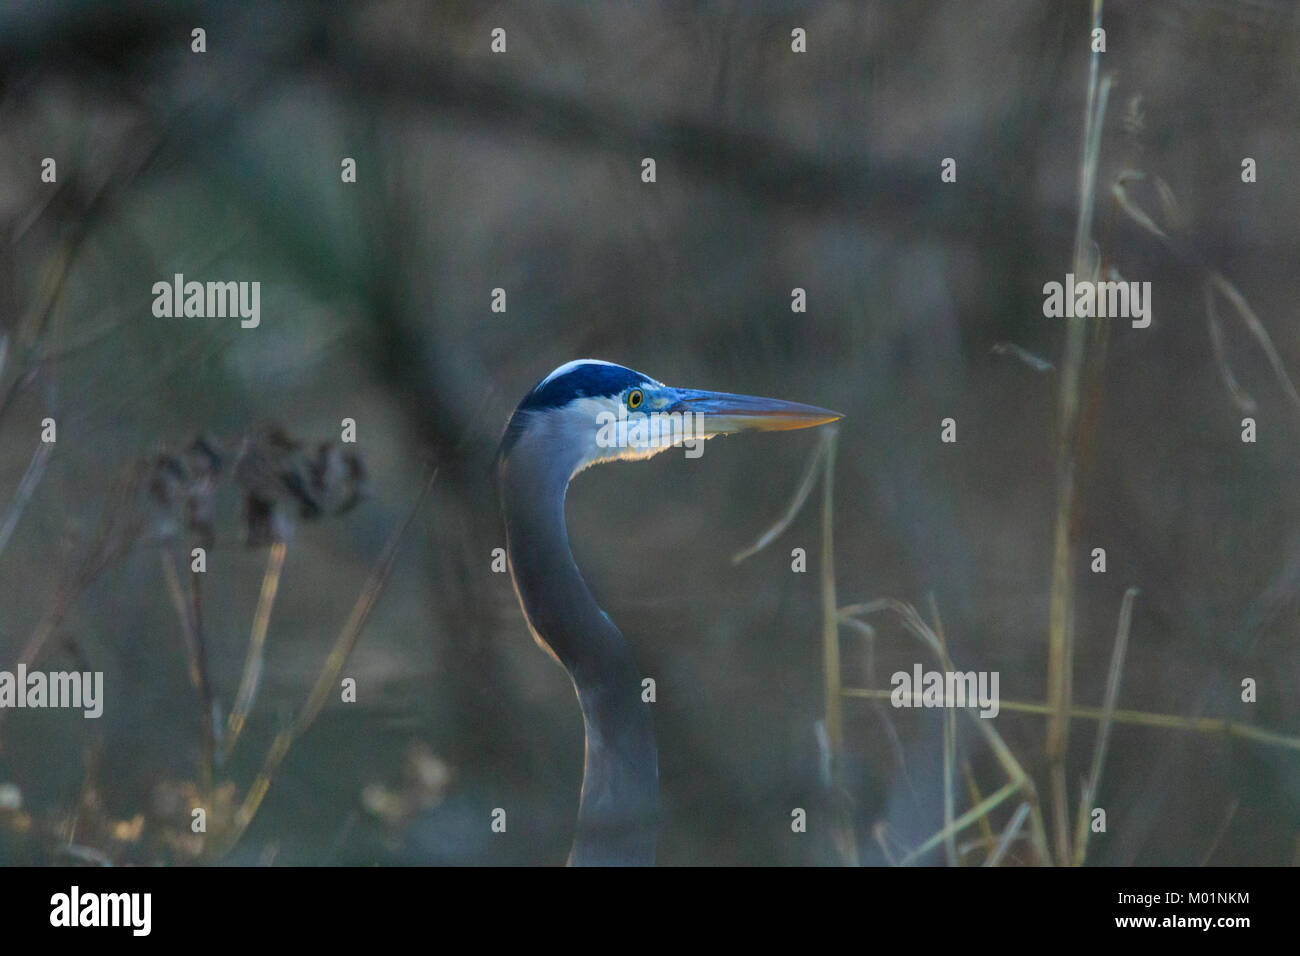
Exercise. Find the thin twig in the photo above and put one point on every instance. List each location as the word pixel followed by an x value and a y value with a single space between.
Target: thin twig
pixel 252 677
pixel 975 813
pixel 848 844
pixel 868 632
pixel 187 611
pixel 26 486
pixel 1060 656
pixel 1240 397
pixel 949 749
pixel 1219 833
pixel 1093 784
pixel 1008 835
pixel 1257 330
pixel 796 503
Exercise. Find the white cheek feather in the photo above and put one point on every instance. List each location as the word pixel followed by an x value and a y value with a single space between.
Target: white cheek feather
pixel 588 431
pixel 606 431
pixel 583 420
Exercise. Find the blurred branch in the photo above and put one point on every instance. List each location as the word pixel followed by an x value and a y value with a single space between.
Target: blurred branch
pixel 26 486
pixel 1060 638
pixel 1019 780
pixel 325 41
pixel 252 676
pixel 1093 783
pixel 326 682
pixel 805 488
pixel 822 462
pixel 192 630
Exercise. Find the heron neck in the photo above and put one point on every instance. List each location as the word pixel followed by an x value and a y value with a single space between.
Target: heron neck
pixel 617 815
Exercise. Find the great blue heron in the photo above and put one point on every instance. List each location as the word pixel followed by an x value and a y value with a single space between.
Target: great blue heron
pixel 583 413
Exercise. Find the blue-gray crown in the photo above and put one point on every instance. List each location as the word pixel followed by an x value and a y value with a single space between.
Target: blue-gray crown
pixel 583 378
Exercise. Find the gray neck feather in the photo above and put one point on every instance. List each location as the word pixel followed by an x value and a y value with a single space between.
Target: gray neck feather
pixel 617 816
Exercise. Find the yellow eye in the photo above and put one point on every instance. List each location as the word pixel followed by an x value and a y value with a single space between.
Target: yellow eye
pixel 634 398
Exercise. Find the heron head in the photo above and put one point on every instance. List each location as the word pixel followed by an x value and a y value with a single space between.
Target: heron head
pixel 589 411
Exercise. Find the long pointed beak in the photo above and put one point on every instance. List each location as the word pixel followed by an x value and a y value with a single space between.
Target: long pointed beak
pixel 724 413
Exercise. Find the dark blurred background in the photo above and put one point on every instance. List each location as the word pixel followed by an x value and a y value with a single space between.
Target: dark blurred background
pixel 521 171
